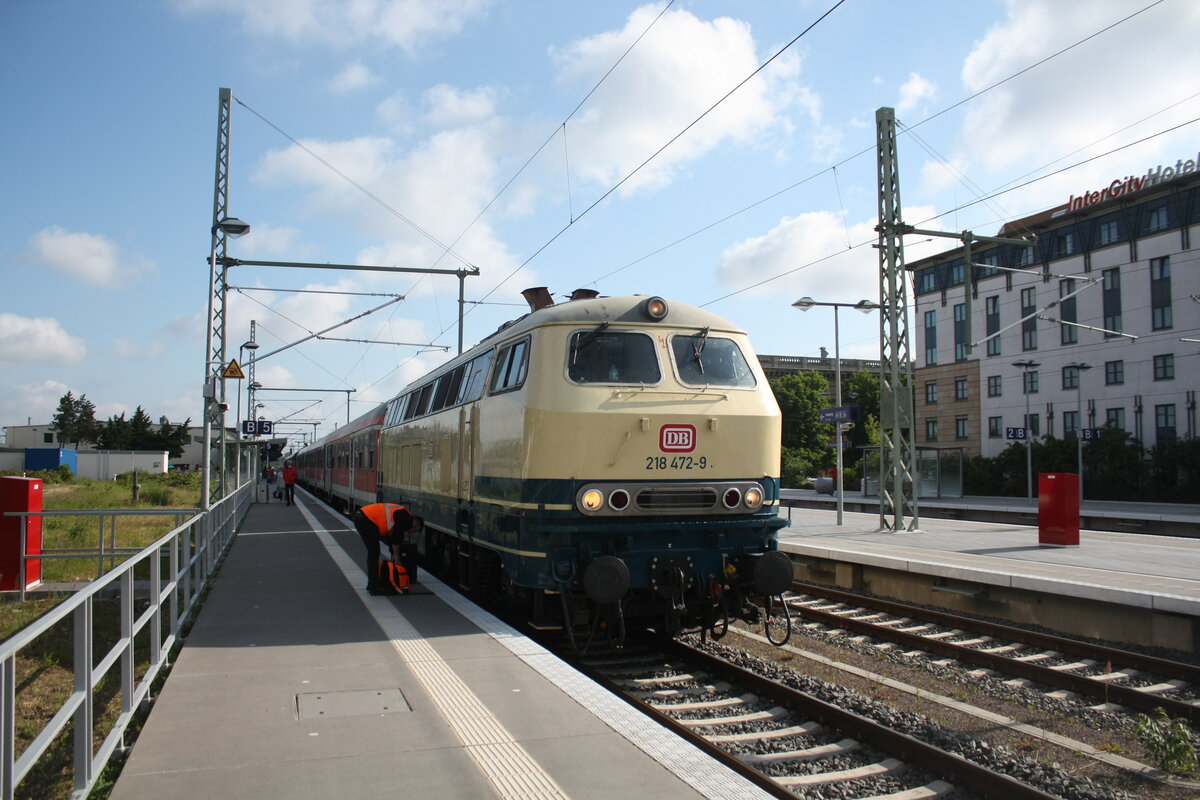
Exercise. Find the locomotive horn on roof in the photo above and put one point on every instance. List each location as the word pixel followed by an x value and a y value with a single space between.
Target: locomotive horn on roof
pixel 538 298
pixel 584 294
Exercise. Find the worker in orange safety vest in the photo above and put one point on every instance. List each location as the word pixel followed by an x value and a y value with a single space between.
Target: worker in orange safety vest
pixel 393 525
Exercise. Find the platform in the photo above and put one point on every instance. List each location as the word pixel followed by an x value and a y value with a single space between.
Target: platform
pixel 294 682
pixel 1118 578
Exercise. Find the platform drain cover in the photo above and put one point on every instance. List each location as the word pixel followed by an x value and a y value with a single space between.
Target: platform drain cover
pixel 361 703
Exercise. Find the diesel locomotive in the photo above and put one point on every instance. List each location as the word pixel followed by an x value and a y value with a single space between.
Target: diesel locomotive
pixel 605 460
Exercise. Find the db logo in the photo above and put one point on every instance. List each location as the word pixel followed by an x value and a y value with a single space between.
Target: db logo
pixel 677 438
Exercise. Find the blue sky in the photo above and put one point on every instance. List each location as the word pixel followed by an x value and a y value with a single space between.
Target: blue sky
pixel 433 106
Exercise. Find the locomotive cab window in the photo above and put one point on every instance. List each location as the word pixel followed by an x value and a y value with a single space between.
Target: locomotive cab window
pixel 703 360
pixel 512 361
pixel 600 356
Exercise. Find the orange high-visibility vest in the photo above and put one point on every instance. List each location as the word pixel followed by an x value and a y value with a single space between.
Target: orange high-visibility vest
pixel 382 514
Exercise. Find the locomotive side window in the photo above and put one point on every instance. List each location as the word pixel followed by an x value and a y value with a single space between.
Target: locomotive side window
pixel 600 356
pixel 702 360
pixel 477 370
pixel 511 364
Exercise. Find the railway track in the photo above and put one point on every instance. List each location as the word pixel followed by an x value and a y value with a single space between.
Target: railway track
pixel 788 741
pixel 1071 669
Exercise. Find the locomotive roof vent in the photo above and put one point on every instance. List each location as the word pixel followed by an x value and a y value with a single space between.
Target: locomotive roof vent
pixel 584 294
pixel 538 298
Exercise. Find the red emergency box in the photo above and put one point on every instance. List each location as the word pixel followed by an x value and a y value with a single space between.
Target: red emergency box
pixel 1058 509
pixel 20 494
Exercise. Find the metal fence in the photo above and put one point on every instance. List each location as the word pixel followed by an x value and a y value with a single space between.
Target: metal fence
pixel 166 581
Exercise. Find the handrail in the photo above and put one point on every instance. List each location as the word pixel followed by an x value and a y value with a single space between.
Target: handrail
pixel 191 551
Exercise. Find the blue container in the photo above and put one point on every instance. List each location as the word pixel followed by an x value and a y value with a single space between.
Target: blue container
pixel 43 458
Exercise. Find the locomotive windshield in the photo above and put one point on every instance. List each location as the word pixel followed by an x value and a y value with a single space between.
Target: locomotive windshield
pixel 703 360
pixel 601 356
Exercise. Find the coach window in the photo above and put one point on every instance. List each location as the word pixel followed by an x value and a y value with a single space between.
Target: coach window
pixel 701 360
pixel 598 356
pixel 511 364
pixel 422 400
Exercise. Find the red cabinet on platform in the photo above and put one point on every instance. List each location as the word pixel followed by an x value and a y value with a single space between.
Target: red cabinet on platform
pixel 20 494
pixel 1058 509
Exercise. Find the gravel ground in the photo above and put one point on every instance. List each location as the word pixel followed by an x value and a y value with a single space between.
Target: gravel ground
pixel 1057 770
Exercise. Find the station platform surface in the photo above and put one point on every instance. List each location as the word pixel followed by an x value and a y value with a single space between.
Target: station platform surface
pixel 1153 572
pixel 294 682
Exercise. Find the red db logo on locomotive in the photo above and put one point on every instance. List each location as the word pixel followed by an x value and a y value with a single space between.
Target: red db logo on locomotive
pixel 677 438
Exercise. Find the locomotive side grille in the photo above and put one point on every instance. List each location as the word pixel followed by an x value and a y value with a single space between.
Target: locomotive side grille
pixel 677 499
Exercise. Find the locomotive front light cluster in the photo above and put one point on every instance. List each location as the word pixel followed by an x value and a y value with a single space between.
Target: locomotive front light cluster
pixel 737 497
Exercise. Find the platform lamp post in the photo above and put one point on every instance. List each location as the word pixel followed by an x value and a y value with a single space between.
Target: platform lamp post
pixel 214 387
pixel 251 346
pixel 866 307
pixel 1026 366
pixel 1080 368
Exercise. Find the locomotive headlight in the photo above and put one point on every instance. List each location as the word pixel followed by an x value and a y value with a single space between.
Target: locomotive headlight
pixel 754 498
pixel 732 497
pixel 618 500
pixel 592 500
pixel 655 308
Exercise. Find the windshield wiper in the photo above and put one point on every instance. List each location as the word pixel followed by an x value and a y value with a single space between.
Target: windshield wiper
pixel 698 348
pixel 586 339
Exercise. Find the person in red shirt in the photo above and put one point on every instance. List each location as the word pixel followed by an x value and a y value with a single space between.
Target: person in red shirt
pixel 289 482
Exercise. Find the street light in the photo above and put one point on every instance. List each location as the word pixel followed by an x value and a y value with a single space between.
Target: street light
pixel 866 307
pixel 1079 368
pixel 251 346
pixel 1025 367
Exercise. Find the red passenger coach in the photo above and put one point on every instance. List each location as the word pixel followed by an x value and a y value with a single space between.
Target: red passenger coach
pixel 341 467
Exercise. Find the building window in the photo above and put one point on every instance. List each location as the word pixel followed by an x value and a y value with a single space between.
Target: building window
pixel 1115 417
pixel 960 332
pixel 931 430
pixel 1070 377
pixel 1112 300
pixel 960 388
pixel 1157 220
pixel 1160 293
pixel 1064 244
pixel 1164 367
pixel 1114 373
pixel 930 338
pixel 925 280
pixel 992 320
pixel 956 273
pixel 1109 232
pixel 1030 381
pixel 1026 258
pixel 1069 333
pixel 1070 421
pixel 1034 423
pixel 931 392
pixel 994 386
pixel 961 427
pixel 47 438
pixel 1164 423
pixel 1029 326
pixel 995 427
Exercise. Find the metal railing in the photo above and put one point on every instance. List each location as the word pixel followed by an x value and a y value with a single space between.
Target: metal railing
pixel 172 575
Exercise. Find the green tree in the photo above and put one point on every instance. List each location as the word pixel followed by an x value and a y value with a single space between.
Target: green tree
pixel 860 389
pixel 141 437
pixel 115 434
pixel 806 449
pixel 75 420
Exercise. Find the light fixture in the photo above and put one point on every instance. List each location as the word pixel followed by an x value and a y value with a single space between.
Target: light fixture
pixel 232 226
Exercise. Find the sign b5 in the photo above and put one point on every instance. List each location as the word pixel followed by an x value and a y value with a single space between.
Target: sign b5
pixel 677 438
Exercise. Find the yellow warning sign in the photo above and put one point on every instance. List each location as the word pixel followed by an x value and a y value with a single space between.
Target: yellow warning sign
pixel 233 371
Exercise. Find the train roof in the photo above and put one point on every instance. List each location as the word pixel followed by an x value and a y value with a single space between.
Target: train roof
pixel 626 309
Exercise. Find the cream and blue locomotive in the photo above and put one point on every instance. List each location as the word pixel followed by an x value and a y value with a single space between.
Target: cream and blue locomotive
pixel 610 458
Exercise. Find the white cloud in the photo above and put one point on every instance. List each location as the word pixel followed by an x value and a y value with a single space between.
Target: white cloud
pixel 815 250
pixel 407 24
pixel 678 70
pixel 32 403
pixel 138 351
pixel 353 76
pixel 265 238
pixel 40 340
pixel 450 107
pixel 915 92
pixel 1055 108
pixel 85 256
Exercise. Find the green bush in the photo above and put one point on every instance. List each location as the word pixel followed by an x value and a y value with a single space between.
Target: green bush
pixel 157 496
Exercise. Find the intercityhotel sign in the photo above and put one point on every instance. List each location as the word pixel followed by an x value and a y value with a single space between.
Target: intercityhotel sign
pixel 1128 185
